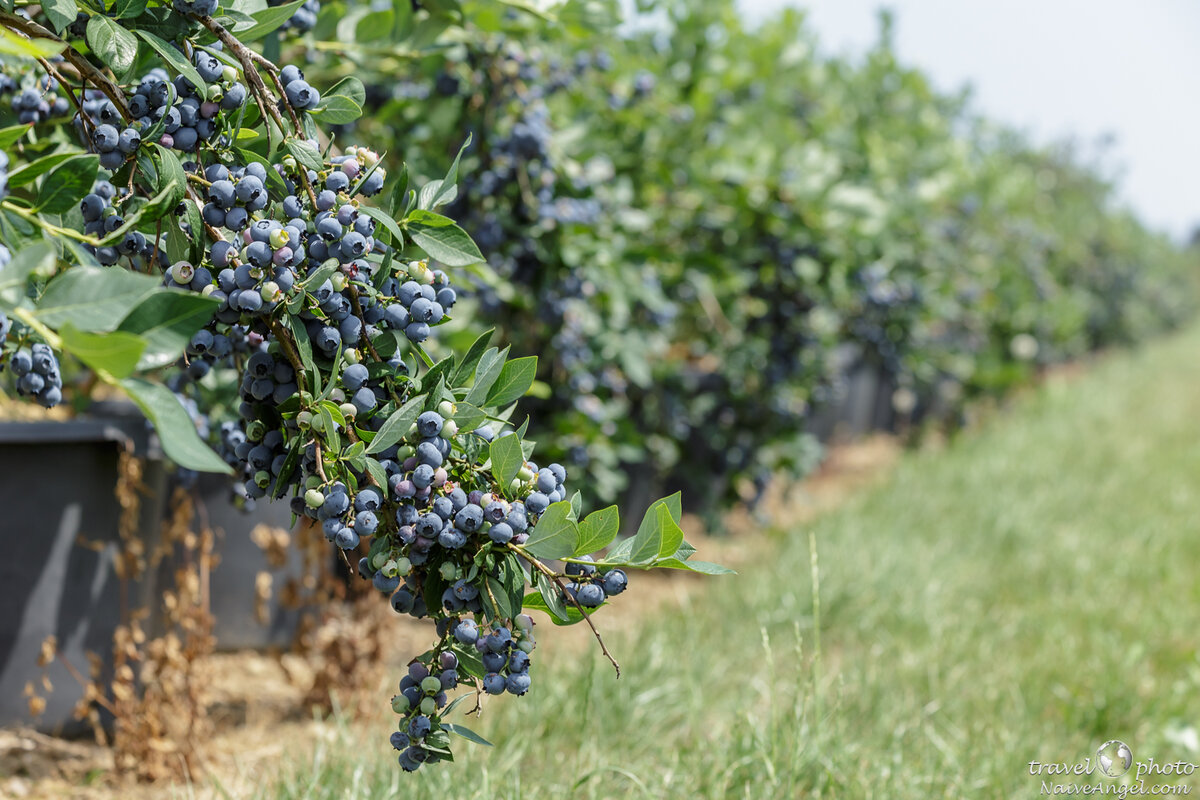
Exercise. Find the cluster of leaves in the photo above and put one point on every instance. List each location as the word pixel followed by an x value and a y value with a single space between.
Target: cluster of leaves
pixel 252 283
pixel 769 218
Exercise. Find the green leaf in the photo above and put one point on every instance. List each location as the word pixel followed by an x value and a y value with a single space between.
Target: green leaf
pixel 167 321
pixel 342 103
pixel 94 299
pixel 172 180
pixel 111 43
pixel 125 9
pixel 304 348
pixel 175 59
pixel 38 257
pixel 386 221
pixel 441 239
pixel 175 428
pixel 376 471
pixel 397 425
pixel 514 380
pixel 674 504
pixel 69 183
pixel 486 374
pixel 466 733
pixel 597 530
pixel 13 45
pixel 28 173
pixel 703 567
pixel 305 153
pixel 437 373
pixel 658 539
pixel 440 192
pixel 467 366
pixel 468 417
pixel 115 353
pixel 549 600
pixel 12 134
pixel 61 13
pixel 507 459
pixel 555 535
pixel 267 20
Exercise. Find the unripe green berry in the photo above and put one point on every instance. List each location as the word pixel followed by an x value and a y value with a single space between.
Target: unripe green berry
pixel 279 238
pixel 229 74
pixel 448 571
pixel 388 569
pixel 256 430
pixel 312 482
pixel 400 704
pixel 304 419
pixel 338 280
pixel 379 560
pixel 447 409
pixel 449 429
pixel 407 451
pixel 428 706
pixel 313 498
pixel 352 356
pixel 430 685
pixel 403 566
pixel 525 474
pixel 262 478
pixel 182 272
pixel 516 485
pixel 349 410
pixel 525 645
pixel 337 396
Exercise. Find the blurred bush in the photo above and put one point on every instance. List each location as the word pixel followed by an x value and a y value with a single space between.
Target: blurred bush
pixel 701 227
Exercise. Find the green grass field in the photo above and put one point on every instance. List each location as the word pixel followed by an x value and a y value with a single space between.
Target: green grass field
pixel 1025 593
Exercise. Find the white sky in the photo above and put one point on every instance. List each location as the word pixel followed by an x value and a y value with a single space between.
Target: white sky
pixel 1059 68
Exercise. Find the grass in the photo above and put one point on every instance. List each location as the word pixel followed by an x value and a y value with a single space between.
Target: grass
pixel 1025 593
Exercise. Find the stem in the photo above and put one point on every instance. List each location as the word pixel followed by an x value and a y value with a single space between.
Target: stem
pixel 289 350
pixel 86 70
pixel 49 227
pixel 84 119
pixel 549 573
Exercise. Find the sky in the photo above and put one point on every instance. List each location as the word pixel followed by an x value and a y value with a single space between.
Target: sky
pixel 1059 68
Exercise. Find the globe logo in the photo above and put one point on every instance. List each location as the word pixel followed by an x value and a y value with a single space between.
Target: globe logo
pixel 1115 758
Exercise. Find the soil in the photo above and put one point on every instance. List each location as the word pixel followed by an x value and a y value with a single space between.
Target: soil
pixel 257 699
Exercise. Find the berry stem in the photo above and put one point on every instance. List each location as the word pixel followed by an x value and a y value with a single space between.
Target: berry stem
pixel 549 573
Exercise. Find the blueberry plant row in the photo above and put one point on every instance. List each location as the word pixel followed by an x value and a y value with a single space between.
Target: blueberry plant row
pixel 699 222
pixel 180 220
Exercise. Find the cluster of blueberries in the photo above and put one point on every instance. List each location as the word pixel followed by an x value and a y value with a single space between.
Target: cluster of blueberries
pixel 37 102
pixel 303 20
pixel 592 587
pixel 101 218
pixel 38 375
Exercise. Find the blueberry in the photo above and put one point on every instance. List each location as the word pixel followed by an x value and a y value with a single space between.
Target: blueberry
pixel 590 595
pixel 518 683
pixel 494 683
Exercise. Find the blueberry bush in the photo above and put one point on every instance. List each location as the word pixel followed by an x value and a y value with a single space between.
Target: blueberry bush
pixel 705 225
pixel 183 222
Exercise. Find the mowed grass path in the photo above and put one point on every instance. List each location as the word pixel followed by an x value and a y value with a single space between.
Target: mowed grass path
pixel 1025 593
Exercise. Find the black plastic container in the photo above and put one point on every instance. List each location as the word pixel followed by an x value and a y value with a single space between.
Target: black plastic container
pixel 59 519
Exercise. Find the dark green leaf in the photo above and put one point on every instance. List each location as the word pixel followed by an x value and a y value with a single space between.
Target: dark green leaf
pixel 441 239
pixel 507 460
pixel 466 367
pixel 28 173
pixel 703 567
pixel 397 425
pixel 111 43
pixel 63 188
pixel 37 257
pixel 514 380
pixel 555 535
pixel 440 192
pixel 12 134
pixel 305 153
pixel 61 13
pixel 386 221
pixel 486 374
pixel 268 20
pixel 175 59
pixel 466 733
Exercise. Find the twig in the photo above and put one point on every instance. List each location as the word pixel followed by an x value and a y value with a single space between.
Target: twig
pixel 84 119
pixel 86 70
pixel 542 568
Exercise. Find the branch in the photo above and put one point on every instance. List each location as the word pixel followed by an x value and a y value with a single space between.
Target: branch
pixel 542 568
pixel 86 70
